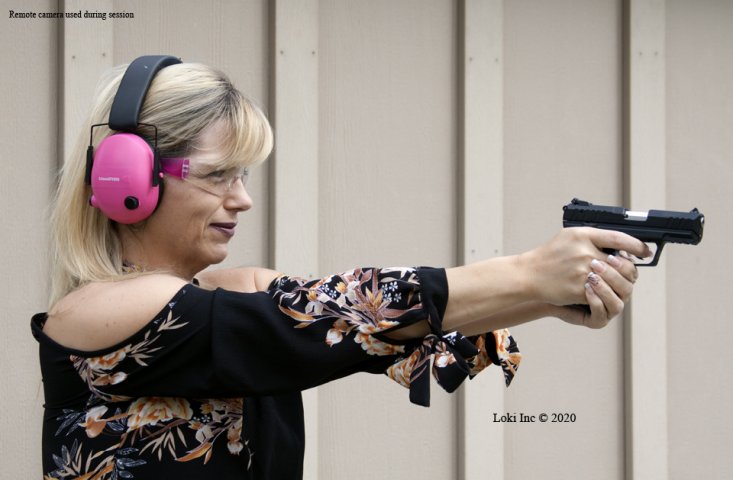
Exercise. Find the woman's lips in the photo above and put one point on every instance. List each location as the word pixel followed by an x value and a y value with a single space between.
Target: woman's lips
pixel 226 229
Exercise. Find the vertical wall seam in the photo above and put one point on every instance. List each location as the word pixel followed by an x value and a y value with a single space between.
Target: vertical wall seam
pixel 459 185
pixel 294 168
pixel 626 196
pixel 480 190
pixel 272 110
pixel 460 66
pixel 645 340
pixel 61 86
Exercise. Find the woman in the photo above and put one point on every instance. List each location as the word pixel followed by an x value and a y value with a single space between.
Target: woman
pixel 155 369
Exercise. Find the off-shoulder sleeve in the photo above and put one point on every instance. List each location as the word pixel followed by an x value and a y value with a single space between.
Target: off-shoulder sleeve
pixel 296 335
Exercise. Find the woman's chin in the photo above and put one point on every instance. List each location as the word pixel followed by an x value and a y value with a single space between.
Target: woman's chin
pixel 217 255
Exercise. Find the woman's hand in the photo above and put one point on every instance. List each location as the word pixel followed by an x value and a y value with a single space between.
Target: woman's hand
pixel 607 290
pixel 608 281
pixel 560 269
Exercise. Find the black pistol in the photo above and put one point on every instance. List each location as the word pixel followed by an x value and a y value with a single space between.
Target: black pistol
pixel 655 226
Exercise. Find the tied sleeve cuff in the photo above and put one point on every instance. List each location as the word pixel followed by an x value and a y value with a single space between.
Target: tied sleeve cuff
pixel 451 356
pixel 502 351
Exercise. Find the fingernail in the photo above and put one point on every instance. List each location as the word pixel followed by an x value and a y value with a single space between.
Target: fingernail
pixel 593 278
pixel 614 261
pixel 597 266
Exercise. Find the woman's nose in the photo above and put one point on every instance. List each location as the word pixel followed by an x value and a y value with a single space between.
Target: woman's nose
pixel 237 197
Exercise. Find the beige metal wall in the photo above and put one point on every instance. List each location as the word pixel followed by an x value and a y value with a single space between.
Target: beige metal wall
pixel 563 139
pixel 434 132
pixel 699 152
pixel 386 198
pixel 28 158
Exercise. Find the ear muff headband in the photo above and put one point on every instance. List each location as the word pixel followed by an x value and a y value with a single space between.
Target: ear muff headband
pixel 124 172
pixel 134 86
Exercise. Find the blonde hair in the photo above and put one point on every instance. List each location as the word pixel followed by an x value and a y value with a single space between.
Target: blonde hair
pixel 182 101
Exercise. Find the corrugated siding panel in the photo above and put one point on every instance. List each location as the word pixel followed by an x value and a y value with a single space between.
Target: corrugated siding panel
pixel 388 147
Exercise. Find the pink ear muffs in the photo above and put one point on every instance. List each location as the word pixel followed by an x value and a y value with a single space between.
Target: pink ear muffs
pixel 124 171
pixel 121 180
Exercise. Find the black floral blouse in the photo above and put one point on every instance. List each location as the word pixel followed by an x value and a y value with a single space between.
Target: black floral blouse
pixel 210 388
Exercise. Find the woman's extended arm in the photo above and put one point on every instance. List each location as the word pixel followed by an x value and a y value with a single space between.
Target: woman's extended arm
pixel 506 291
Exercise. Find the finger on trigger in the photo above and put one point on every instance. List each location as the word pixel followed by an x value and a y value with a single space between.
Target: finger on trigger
pixel 621 241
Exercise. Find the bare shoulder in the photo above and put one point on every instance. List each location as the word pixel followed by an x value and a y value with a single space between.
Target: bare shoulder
pixel 102 314
pixel 264 277
pixel 242 279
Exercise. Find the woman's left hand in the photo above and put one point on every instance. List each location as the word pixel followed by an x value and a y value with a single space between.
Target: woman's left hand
pixel 608 288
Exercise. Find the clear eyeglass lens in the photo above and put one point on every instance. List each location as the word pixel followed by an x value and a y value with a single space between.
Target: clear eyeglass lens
pixel 220 182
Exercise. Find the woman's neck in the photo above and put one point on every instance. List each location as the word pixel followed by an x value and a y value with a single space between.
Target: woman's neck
pixel 139 257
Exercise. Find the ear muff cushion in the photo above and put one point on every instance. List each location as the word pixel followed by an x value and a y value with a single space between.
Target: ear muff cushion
pixel 122 178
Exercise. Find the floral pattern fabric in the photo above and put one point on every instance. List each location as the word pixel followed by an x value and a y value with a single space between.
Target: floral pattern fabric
pixel 140 409
pixel 143 429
